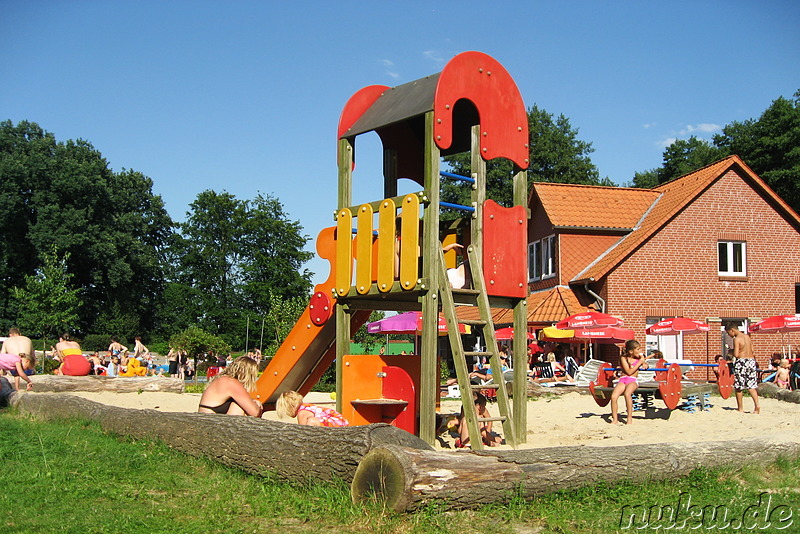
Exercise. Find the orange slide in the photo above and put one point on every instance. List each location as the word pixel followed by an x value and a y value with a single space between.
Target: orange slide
pixel 310 347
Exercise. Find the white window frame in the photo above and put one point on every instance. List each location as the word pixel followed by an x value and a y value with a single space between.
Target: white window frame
pixel 728 249
pixel 548 257
pixel 534 261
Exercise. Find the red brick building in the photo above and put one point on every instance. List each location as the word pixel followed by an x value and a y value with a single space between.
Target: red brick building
pixel 717 244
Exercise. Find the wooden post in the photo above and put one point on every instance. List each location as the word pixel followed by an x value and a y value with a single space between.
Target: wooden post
pixel 431 248
pixel 344 199
pixel 520 388
pixel 478 166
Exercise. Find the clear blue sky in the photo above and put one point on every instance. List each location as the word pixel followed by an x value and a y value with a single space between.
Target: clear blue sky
pixel 245 96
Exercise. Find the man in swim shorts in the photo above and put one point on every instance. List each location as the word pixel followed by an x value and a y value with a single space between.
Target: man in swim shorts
pixel 745 373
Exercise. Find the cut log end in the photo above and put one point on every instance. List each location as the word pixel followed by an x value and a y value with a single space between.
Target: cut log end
pixel 380 477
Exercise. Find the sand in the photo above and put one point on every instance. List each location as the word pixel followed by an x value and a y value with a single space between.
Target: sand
pixel 569 419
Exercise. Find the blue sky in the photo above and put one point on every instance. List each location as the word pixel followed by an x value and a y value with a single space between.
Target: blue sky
pixel 245 96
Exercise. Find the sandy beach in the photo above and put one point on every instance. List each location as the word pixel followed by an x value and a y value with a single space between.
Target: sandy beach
pixel 568 419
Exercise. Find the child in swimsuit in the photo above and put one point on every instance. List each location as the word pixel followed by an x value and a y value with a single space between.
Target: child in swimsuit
pixel 630 362
pixel 782 375
pixel 290 404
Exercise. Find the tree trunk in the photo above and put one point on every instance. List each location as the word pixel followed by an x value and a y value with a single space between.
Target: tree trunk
pixel 259 446
pixel 768 389
pixel 59 383
pixel 405 479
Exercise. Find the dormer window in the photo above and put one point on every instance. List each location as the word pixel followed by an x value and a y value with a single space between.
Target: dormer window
pixel 541 259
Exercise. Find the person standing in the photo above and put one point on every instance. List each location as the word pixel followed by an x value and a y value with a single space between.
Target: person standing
pixel 139 349
pixel 745 371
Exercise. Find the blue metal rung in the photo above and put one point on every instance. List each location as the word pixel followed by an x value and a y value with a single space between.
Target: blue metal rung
pixel 456 206
pixel 457 177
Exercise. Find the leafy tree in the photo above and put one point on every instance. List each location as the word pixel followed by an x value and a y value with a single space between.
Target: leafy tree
pixel 370 341
pixel 770 146
pixel 46 303
pixel 199 344
pixel 681 157
pixel 281 317
pixel 114 228
pixel 234 256
pixel 556 155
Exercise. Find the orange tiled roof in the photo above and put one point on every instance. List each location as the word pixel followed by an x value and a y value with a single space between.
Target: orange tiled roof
pixel 544 307
pixel 588 206
pixel 673 196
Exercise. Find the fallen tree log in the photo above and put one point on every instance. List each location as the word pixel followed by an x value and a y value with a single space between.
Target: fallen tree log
pixel 258 446
pixel 768 389
pixel 404 479
pixel 61 383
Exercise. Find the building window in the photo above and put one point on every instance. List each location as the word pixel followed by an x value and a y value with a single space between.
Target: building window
pixel 548 257
pixel 535 261
pixel 732 258
pixel 541 259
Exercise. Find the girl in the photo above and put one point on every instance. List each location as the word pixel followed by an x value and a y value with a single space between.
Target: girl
pixel 782 375
pixel 290 404
pixel 12 362
pixel 631 362
pixel 229 392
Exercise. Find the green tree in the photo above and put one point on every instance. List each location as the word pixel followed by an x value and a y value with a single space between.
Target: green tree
pixel 770 146
pixel 283 313
pixel 556 155
pixel 46 303
pixel 681 157
pixel 233 256
pixel 114 228
pixel 199 344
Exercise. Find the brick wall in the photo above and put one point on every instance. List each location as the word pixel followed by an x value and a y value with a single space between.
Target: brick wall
pixel 676 270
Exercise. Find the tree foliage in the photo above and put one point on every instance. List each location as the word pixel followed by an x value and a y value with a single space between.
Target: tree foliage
pixel 236 259
pixel 770 145
pixel 46 303
pixel 199 344
pixel 556 155
pixel 64 194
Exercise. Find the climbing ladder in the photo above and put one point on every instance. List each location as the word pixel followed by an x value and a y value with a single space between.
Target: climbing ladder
pixel 477 296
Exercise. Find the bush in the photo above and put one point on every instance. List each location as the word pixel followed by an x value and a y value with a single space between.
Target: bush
pixel 93 342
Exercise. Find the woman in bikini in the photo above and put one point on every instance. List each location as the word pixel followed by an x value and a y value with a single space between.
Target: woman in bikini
pixel 229 392
pixel 631 362
pixel 290 404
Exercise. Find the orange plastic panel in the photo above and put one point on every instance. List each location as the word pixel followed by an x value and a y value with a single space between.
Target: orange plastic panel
pixel 344 258
pixel 409 242
pixel 505 250
pixel 482 80
pixel 364 250
pixel 387 241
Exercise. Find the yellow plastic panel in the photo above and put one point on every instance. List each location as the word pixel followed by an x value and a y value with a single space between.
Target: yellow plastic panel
pixel 344 255
pixel 364 250
pixel 450 257
pixel 409 242
pixel 386 244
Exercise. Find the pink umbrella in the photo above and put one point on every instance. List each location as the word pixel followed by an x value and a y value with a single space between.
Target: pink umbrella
pixel 407 323
pixel 676 326
pixel 507 333
pixel 590 319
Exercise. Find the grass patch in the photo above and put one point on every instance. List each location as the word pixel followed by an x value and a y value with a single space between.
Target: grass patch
pixel 69 476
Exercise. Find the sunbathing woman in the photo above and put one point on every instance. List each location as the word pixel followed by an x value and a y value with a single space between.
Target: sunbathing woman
pixel 229 392
pixel 290 404
pixel 631 362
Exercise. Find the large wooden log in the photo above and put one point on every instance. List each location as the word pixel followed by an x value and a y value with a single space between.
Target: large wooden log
pixel 404 479
pixel 259 446
pixel 61 383
pixel 768 389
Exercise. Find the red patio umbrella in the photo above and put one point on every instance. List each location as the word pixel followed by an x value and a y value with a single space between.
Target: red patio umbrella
pixel 676 326
pixel 507 333
pixel 783 324
pixel 589 319
pixel 608 334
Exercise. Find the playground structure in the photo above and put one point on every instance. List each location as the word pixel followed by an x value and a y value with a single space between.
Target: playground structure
pixel 472 105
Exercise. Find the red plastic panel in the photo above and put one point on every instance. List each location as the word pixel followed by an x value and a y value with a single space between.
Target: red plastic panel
pixel 671 388
pixel 482 80
pixel 357 105
pixel 398 385
pixel 725 380
pixel 505 250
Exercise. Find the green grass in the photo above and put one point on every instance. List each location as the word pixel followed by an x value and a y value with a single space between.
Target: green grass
pixel 69 476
